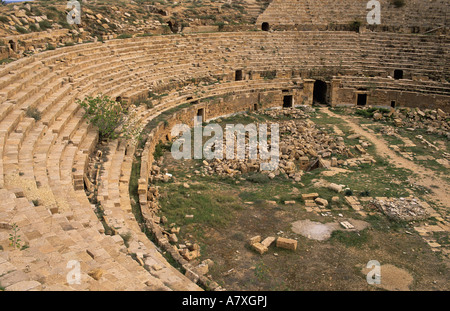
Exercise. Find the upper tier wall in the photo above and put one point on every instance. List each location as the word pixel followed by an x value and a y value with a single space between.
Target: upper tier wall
pixel 415 14
pixel 310 54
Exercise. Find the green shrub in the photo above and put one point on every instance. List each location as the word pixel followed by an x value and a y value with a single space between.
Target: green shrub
pixel 21 29
pixel 111 119
pixel 45 24
pixel 160 148
pixel 124 36
pixel 33 113
pixel 354 26
pixel 365 193
pixel 348 192
pixel 148 103
pixel 33 27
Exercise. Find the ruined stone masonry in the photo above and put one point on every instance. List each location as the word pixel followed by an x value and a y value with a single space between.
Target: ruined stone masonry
pixel 47 172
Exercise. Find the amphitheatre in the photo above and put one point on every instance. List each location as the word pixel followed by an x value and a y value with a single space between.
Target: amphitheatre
pixel 364 117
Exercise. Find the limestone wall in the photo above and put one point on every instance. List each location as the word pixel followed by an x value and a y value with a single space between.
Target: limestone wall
pixel 413 16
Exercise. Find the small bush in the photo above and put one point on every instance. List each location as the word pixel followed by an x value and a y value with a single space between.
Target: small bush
pixel 33 113
pixel 365 193
pixel 398 3
pixel 45 24
pixel 160 148
pixel 348 192
pixel 126 238
pixel 148 103
pixel 354 26
pixel 111 119
pixel 21 29
pixel 124 36
pixel 33 27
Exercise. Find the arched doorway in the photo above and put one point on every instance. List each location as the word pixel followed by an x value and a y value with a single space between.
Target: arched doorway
pixel 12 45
pixel 265 26
pixel 320 92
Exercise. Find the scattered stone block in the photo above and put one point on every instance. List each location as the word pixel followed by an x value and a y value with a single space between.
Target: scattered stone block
pixel 202 269
pixel 334 162
pixel 255 239
pixel 347 225
pixel 259 248
pixel 321 202
pixel 191 275
pixel 287 243
pixel 310 196
pixel 96 274
pixel 360 149
pixel 335 187
pixel 268 241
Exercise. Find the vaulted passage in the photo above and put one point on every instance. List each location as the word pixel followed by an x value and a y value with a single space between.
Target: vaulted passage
pixel 238 75
pixel 398 74
pixel 201 115
pixel 362 99
pixel 12 45
pixel 320 92
pixel 265 26
pixel 288 101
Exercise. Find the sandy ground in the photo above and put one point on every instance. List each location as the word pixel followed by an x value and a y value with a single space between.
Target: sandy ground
pixel 393 278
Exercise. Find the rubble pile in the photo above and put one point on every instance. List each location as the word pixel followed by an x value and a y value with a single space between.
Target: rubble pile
pixel 301 145
pixel 292 113
pixel 158 174
pixel 402 208
pixel 434 121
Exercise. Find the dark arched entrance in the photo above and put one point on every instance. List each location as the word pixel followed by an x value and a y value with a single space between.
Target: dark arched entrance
pixel 12 45
pixel 265 26
pixel 320 92
pixel 398 74
pixel 288 101
pixel 238 75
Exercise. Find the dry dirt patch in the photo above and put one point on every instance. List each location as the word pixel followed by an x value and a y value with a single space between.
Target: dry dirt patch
pixel 393 278
pixel 321 232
